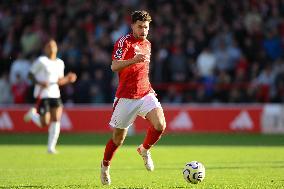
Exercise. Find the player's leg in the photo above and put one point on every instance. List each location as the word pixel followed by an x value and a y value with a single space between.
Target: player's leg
pixel 54 128
pixel 154 133
pixel 40 117
pixel 153 112
pixel 112 145
pixel 110 149
pixel 45 119
pixel 124 113
pixel 158 126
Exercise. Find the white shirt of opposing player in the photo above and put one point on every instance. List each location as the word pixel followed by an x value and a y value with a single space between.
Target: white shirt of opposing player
pixel 46 70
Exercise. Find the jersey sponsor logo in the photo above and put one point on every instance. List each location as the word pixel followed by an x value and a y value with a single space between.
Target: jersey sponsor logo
pixel 118 53
pixel 5 122
pixel 181 121
pixel 242 121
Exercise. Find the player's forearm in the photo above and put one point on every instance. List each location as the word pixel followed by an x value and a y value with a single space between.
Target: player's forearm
pixel 118 65
pixel 63 81
pixel 69 78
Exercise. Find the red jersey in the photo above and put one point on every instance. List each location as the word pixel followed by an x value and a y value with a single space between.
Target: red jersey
pixel 133 79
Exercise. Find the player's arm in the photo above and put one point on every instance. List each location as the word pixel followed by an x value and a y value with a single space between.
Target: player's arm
pixel 69 78
pixel 35 68
pixel 118 65
pixel 118 56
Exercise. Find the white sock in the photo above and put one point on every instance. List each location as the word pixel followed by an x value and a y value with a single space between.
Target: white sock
pixel 53 134
pixel 36 119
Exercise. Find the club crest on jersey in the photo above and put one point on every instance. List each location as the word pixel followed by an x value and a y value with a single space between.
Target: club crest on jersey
pixel 118 53
pixel 137 50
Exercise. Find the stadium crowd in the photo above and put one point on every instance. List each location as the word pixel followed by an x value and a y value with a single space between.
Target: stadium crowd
pixel 202 51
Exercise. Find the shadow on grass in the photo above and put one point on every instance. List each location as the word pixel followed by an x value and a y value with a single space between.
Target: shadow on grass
pixel 168 139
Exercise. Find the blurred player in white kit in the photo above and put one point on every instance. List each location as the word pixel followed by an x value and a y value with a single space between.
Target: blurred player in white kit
pixel 47 73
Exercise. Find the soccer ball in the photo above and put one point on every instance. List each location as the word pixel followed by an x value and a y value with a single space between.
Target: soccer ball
pixel 194 172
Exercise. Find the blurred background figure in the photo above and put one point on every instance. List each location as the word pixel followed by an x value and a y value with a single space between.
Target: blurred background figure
pixel 47 74
pixel 19 89
pixel 5 86
pixel 20 68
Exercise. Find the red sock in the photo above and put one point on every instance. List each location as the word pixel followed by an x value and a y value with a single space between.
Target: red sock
pixel 152 137
pixel 109 152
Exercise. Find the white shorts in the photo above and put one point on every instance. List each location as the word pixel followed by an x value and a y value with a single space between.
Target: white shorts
pixel 126 110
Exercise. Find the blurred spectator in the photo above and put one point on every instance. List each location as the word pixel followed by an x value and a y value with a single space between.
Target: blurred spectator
pixel 19 89
pixel 5 94
pixel 30 41
pixel 264 84
pixel 206 66
pixel 279 87
pixel 200 95
pixel 206 63
pixel 223 58
pixel 98 89
pixel 252 20
pixel 19 69
pixel 173 96
pixel 235 95
pixel 158 69
pixel 96 94
pixel 178 65
pixel 272 44
pixel 83 89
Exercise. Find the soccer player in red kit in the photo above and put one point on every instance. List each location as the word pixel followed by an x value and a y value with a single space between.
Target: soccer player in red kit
pixel 134 96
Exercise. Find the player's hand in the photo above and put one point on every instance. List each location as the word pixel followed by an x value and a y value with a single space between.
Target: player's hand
pixel 141 58
pixel 72 77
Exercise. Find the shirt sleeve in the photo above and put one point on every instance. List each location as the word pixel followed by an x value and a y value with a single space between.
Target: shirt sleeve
pixel 36 66
pixel 120 49
pixel 61 70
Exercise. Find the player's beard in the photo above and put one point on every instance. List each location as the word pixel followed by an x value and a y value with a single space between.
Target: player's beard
pixel 140 36
pixel 143 36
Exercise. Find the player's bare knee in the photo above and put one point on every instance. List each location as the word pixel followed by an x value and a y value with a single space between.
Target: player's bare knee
pixel 160 126
pixel 44 124
pixel 163 126
pixel 118 141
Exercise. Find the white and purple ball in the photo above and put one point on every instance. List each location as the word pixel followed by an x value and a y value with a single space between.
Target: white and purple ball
pixel 194 172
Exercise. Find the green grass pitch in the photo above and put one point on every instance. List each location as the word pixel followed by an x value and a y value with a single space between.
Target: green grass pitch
pixel 231 161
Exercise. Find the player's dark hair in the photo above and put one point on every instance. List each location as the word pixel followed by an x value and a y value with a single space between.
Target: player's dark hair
pixel 49 39
pixel 141 16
